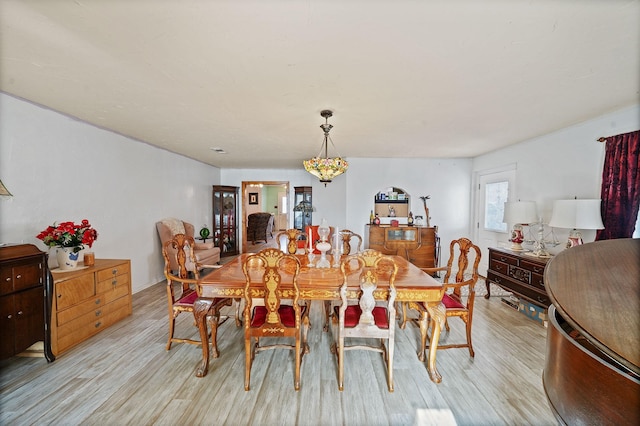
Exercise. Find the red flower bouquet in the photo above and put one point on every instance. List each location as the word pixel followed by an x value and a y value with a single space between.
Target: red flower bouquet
pixel 69 234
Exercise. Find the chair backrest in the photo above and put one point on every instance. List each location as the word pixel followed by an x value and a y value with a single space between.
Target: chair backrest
pixel 180 250
pixel 462 267
pixel 347 235
pixel 169 227
pixel 372 267
pixel 292 236
pixel 272 269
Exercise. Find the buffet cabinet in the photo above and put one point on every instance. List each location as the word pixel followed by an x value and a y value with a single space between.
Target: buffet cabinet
pixel 420 245
pixel 88 300
pixel 518 273
pixel 23 272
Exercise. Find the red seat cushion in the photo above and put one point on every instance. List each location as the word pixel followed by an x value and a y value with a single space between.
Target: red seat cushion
pixel 188 298
pixel 353 312
pixel 287 315
pixel 451 303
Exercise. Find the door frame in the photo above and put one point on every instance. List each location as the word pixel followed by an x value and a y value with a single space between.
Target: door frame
pixel 245 202
pixel 478 202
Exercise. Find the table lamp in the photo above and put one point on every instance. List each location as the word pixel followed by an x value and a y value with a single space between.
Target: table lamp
pixel 576 214
pixel 519 213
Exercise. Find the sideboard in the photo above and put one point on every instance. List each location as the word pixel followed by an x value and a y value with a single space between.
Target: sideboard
pixel 519 273
pixel 88 300
pixel 420 245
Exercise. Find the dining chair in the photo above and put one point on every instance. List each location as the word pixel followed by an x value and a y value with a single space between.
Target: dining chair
pixel 185 278
pixel 272 307
pixel 347 235
pixel 459 282
pixel 360 315
pixel 292 241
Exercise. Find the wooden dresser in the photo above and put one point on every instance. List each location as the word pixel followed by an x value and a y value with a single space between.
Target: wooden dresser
pixel 23 274
pixel 89 300
pixel 518 273
pixel 420 245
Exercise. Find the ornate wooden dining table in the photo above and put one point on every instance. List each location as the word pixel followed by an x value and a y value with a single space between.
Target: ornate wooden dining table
pixel 412 285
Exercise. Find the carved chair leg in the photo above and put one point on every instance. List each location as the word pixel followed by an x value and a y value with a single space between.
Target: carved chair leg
pixel 213 322
pixel 248 357
pixel 341 363
pixel 172 325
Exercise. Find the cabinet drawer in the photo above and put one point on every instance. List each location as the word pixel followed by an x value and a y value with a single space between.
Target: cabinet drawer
pixel 529 293
pixel 20 277
pixel 70 292
pixel 80 309
pixel 533 267
pixel 111 283
pixel 499 267
pixel 77 335
pixel 504 258
pixel 538 281
pixel 93 319
pixel 108 273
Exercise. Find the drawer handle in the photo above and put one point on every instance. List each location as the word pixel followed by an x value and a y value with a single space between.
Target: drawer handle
pixel 8 279
pixel 115 271
pixel 97 301
pixel 114 282
pixel 18 276
pixel 9 316
pixel 503 259
pixel 59 296
pixel 98 312
pixel 537 270
pixel 19 312
pixel 98 324
pixel 541 299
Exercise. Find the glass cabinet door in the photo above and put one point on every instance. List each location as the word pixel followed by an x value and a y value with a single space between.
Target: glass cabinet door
pixel 302 208
pixel 225 223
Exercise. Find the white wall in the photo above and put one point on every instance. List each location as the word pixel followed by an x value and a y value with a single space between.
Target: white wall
pixel 561 165
pixel 61 169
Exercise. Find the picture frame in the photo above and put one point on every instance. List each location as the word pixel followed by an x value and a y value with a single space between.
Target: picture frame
pixel 253 198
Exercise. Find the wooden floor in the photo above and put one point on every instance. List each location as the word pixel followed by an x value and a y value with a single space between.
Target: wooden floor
pixel 125 376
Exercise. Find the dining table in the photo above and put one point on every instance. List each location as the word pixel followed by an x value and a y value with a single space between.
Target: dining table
pixel 323 284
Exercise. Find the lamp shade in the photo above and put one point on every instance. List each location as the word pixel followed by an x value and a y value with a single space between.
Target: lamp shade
pixel 576 214
pixel 523 212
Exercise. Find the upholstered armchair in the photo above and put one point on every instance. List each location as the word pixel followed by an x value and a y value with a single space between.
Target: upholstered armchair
pixel 206 253
pixel 259 227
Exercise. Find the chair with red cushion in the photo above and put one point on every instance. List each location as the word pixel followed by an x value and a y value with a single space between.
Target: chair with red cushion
pixel 459 281
pixel 361 316
pixel 272 307
pixel 179 251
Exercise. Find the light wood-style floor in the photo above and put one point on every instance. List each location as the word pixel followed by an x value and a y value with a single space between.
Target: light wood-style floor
pixel 125 376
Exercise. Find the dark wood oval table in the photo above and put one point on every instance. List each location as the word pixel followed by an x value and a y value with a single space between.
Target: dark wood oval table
pixel 592 366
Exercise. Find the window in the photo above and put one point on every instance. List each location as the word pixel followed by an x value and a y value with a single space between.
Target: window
pixel 496 194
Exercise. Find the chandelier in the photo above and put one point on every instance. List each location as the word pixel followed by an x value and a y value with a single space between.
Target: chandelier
pixel 326 168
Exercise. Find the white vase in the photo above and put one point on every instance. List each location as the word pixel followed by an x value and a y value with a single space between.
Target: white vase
pixel 67 258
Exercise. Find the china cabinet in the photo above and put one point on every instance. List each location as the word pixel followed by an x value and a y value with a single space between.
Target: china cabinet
pixel 302 208
pixel 225 219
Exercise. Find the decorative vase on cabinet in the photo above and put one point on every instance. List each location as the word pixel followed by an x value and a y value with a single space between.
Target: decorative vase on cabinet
pixel 67 257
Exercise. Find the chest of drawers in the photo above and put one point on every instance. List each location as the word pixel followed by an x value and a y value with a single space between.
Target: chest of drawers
pixel 518 273
pixel 89 300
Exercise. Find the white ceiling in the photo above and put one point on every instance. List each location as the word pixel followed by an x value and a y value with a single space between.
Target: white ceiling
pixel 404 78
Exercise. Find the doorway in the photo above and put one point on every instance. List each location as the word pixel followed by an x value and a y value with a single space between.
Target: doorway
pixel 265 196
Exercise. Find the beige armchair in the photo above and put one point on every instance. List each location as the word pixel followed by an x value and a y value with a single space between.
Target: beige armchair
pixel 206 253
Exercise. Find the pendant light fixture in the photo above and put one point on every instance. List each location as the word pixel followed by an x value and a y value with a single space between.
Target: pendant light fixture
pixel 325 168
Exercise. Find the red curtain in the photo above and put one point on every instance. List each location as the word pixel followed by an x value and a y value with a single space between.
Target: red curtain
pixel 620 186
